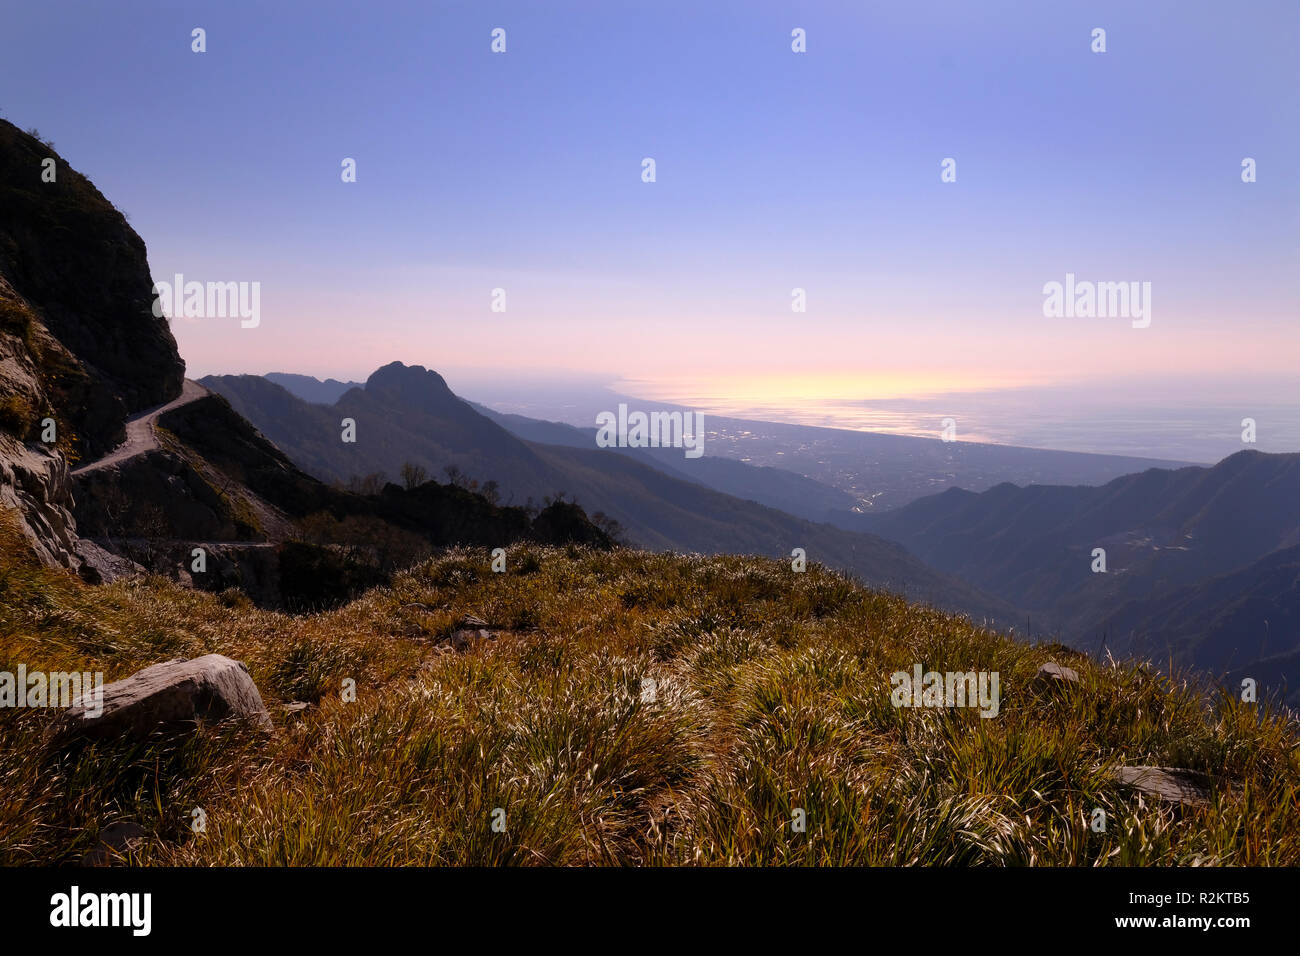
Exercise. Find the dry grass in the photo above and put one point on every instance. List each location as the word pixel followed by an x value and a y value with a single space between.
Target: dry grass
pixel 772 695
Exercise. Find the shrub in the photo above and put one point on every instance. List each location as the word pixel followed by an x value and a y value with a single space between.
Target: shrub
pixel 18 320
pixel 17 416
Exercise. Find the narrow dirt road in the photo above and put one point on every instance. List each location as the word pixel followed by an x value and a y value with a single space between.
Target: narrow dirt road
pixel 140 436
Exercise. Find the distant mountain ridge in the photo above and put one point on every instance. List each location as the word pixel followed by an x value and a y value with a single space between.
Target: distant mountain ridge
pixel 1200 562
pixel 1229 622
pixel 408 414
pixel 775 487
pixel 311 389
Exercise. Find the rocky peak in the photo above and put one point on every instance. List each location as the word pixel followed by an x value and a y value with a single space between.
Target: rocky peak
pixel 412 385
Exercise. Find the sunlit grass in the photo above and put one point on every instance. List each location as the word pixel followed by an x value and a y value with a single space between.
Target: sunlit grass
pixel 771 696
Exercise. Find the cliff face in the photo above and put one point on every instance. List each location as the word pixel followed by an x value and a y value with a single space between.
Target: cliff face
pixel 34 479
pixel 82 270
pixel 79 344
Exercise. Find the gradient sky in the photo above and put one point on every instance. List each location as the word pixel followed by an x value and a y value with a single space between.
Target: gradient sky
pixel 775 170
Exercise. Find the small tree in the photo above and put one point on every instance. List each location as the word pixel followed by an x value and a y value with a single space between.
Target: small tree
pixel 413 475
pixel 456 477
pixel 610 526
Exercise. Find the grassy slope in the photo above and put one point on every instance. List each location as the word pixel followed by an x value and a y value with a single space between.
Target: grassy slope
pixel 773 694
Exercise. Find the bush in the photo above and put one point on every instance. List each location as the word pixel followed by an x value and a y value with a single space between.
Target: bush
pixel 17 416
pixel 18 320
pixel 35 134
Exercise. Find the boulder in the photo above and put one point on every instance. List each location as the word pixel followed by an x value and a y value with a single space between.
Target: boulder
pixel 99 566
pixel 171 697
pixel 1053 674
pixel 469 629
pixel 1170 784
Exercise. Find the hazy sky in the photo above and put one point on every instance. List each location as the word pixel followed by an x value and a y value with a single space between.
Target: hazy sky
pixel 775 170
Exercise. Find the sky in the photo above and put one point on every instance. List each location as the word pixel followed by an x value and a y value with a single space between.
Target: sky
pixel 775 170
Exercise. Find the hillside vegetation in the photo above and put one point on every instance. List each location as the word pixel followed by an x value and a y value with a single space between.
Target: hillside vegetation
pixel 772 695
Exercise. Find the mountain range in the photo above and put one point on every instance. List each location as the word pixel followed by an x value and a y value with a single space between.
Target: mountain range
pixel 408 415
pixel 1200 562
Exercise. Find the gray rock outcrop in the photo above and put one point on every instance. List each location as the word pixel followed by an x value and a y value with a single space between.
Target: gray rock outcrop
pixel 1171 784
pixel 1053 674
pixel 171 697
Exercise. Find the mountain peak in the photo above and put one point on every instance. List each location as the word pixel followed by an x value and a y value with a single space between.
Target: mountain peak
pixel 398 374
pixel 413 384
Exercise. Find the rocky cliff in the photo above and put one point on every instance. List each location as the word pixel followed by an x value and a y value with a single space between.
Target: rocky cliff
pixel 34 479
pixel 80 348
